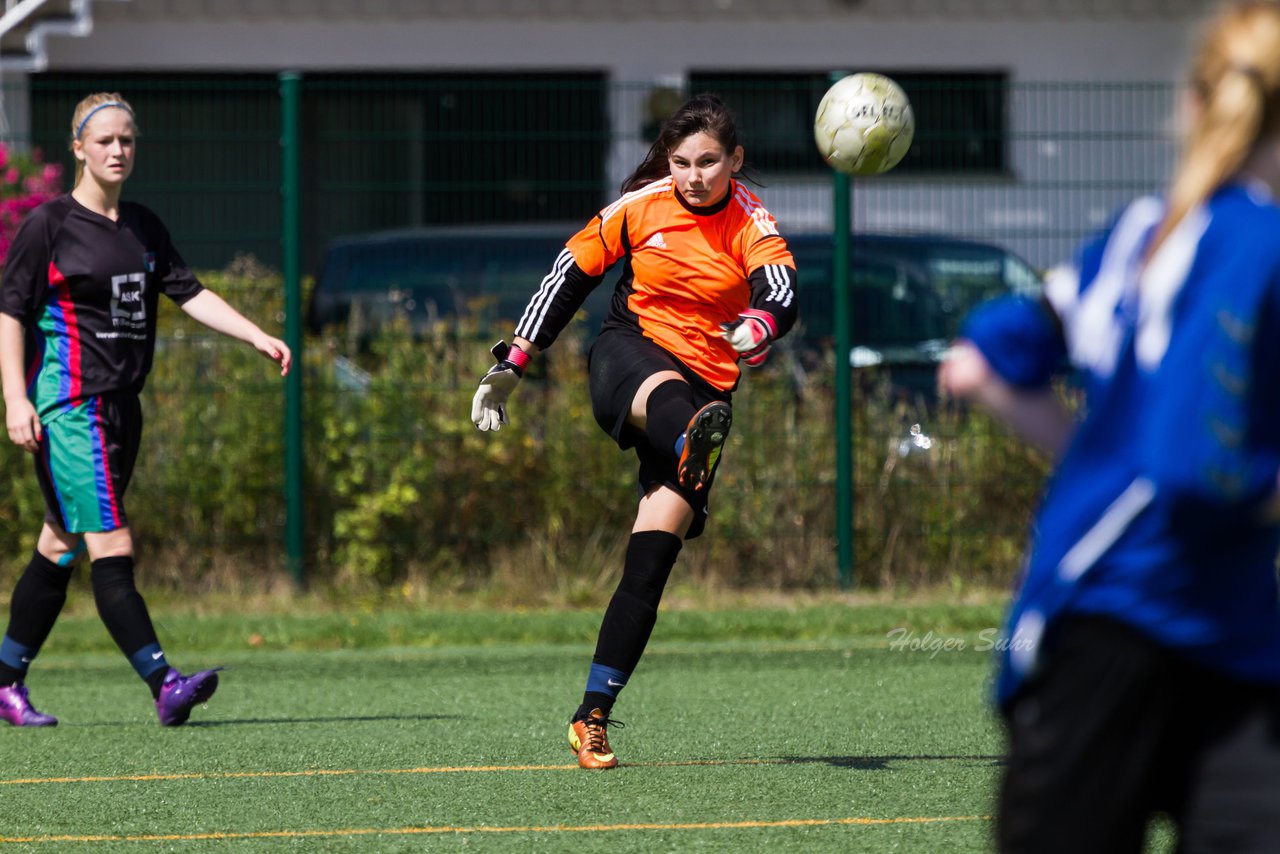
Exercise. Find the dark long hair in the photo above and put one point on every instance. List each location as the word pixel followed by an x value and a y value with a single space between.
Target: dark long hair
pixel 703 113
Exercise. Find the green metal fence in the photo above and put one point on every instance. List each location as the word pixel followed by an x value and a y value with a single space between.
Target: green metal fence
pixel 365 466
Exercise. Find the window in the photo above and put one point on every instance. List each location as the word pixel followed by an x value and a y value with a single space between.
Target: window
pixel 379 151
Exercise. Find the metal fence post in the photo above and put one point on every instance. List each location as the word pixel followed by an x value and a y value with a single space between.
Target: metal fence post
pixel 842 194
pixel 843 326
pixel 290 139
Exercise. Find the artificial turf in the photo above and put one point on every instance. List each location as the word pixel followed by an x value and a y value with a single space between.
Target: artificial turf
pixel 808 732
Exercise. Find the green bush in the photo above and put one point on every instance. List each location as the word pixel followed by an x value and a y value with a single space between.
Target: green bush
pixel 403 495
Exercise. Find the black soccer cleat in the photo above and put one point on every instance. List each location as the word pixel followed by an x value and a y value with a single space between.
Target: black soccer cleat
pixel 703 439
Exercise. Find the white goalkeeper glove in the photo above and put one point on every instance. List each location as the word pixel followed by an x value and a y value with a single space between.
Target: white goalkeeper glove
pixel 489 406
pixel 751 334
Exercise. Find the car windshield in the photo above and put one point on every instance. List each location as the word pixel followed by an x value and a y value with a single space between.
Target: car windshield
pixel 907 290
pixel 425 276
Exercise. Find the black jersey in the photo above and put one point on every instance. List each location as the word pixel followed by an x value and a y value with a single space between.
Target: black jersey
pixel 86 289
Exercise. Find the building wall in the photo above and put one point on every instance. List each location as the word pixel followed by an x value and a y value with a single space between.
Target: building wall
pixel 1034 39
pixel 660 41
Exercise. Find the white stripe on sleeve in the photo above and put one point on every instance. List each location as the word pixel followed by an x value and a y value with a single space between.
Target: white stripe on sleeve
pixel 536 311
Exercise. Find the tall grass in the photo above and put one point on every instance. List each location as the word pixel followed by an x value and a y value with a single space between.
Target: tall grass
pixel 404 497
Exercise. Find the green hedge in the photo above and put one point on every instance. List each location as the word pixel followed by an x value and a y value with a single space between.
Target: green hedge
pixel 403 495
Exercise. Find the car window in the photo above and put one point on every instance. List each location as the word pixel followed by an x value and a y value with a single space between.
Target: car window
pixel 1021 278
pixel 966 275
pixel 487 275
pixel 509 272
pixel 416 279
pixel 906 290
pixel 892 305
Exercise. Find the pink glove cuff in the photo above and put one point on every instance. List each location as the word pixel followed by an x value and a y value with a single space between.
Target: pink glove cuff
pixel 519 358
pixel 763 317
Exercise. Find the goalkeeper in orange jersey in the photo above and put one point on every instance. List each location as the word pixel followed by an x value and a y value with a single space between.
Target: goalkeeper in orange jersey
pixel 707 283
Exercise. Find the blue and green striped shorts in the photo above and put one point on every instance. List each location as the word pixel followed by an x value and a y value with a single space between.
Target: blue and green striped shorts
pixel 85 460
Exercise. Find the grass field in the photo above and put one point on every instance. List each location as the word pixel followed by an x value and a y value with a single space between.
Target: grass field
pixel 799 728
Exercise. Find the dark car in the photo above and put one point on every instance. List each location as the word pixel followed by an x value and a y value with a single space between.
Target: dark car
pixel 424 275
pixel 908 292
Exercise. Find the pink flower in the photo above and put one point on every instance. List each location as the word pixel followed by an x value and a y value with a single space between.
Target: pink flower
pixel 27 184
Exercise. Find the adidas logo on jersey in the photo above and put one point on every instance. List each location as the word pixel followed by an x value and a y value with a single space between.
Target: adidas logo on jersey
pixel 656 241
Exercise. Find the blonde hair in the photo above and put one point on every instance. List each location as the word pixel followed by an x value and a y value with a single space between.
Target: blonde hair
pixel 1235 77
pixel 86 108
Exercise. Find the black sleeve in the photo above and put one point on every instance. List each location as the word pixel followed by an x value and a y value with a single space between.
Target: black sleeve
pixel 26 268
pixel 177 282
pixel 773 289
pixel 557 300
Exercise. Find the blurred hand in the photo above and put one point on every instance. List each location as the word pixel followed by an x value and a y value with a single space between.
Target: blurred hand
pixel 23 424
pixel 964 371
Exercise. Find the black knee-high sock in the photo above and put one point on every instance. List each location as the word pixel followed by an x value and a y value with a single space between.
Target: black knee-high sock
pixel 667 413
pixel 37 600
pixel 125 615
pixel 630 617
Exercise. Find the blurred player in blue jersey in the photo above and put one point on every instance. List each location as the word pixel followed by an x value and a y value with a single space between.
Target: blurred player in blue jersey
pixel 1140 668
pixel 77 335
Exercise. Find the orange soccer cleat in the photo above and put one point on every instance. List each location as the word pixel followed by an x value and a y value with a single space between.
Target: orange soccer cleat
pixel 589 738
pixel 703 440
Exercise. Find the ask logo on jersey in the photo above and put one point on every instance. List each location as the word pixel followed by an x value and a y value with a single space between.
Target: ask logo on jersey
pixel 656 242
pixel 128 307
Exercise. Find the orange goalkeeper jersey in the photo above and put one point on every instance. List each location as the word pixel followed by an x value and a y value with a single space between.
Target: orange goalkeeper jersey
pixel 688 270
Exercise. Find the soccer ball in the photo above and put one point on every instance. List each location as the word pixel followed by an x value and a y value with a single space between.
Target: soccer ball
pixel 864 124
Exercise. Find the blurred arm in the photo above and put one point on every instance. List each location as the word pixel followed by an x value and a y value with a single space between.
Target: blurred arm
pixel 1035 415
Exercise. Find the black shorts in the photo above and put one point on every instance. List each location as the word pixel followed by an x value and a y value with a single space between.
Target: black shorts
pixel 619 363
pixel 1117 728
pixel 85 462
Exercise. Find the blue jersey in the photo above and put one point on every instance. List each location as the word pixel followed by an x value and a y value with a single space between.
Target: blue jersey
pixel 1153 514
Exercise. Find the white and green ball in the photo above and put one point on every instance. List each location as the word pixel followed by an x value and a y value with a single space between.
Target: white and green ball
pixel 864 124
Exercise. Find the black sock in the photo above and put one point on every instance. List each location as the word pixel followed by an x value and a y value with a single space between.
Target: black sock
pixel 629 620
pixel 156 680
pixel 125 615
pixel 591 701
pixel 37 600
pixel 667 414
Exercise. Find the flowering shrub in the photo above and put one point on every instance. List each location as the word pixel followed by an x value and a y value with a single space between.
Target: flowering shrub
pixel 26 182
